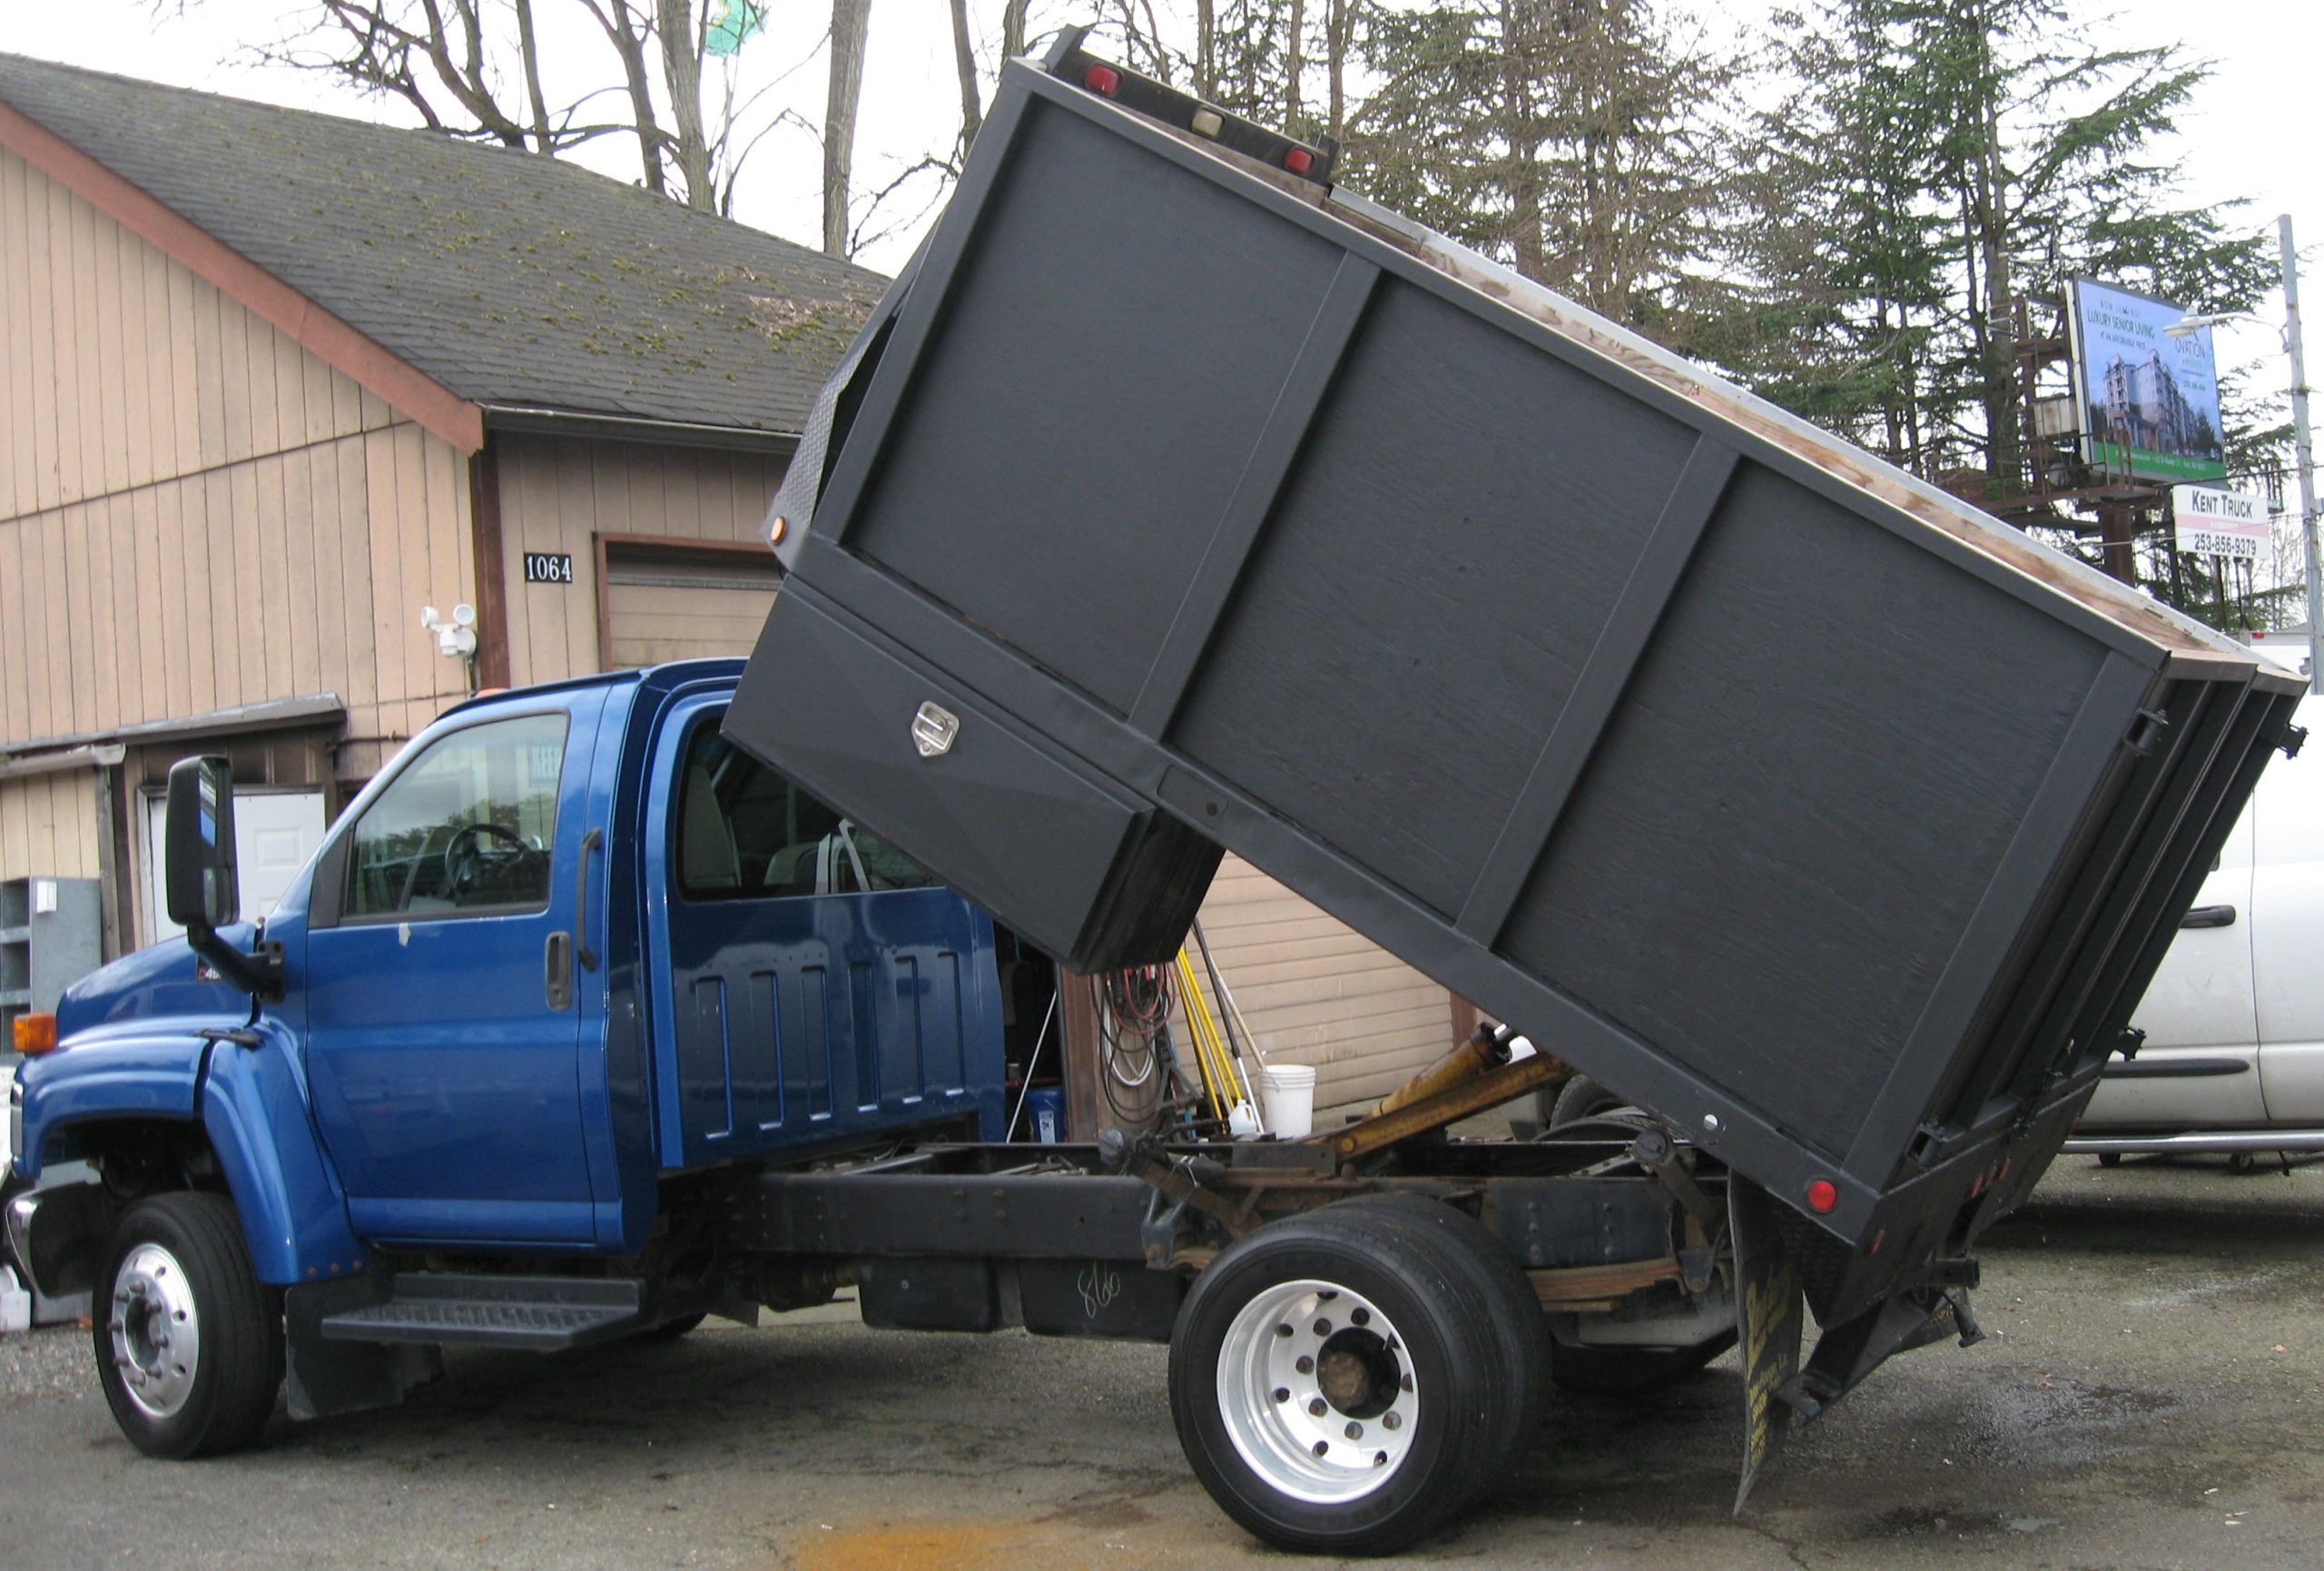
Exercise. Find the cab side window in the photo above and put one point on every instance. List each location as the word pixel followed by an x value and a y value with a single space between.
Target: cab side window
pixel 466 828
pixel 746 833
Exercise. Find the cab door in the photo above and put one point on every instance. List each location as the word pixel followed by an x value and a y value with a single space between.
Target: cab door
pixel 444 1012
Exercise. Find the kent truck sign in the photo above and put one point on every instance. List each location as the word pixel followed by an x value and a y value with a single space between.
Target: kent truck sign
pixel 2216 523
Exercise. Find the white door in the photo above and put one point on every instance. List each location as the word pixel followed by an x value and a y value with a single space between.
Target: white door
pixel 2288 928
pixel 274 834
pixel 2199 1068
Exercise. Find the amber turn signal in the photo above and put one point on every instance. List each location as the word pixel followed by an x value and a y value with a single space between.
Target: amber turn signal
pixel 35 1032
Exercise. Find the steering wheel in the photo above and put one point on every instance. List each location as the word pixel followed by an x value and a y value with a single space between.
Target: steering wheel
pixel 466 860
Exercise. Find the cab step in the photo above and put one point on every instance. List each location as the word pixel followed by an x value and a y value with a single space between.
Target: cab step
pixel 538 1314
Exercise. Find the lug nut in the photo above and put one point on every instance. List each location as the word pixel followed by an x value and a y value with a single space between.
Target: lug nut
pixel 1283 1393
pixel 1323 1327
pixel 1283 1331
pixel 1306 1365
pixel 1359 1317
pixel 1322 1446
pixel 1355 1431
pixel 1315 1405
pixel 1392 1420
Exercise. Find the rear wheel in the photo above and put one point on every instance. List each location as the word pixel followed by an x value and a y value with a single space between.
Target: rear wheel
pixel 189 1346
pixel 1342 1381
pixel 1576 1098
pixel 671 1330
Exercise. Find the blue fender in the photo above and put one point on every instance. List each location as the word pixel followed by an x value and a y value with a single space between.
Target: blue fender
pixel 293 1211
pixel 125 1072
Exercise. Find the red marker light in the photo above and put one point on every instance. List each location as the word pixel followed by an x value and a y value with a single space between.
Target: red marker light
pixel 1823 1195
pixel 1299 161
pixel 1103 79
pixel 1877 1240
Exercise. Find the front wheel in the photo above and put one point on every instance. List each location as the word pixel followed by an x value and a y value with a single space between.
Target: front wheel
pixel 1344 1381
pixel 190 1344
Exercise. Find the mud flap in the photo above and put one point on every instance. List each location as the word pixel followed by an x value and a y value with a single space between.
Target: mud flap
pixel 1769 1312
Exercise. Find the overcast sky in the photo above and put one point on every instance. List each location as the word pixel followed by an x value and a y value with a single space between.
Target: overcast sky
pixel 2252 132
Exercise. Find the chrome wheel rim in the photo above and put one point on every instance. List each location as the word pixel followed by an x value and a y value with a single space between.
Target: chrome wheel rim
pixel 1317 1391
pixel 156 1330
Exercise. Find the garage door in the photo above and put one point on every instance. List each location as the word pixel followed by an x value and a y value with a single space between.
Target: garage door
pixel 680 605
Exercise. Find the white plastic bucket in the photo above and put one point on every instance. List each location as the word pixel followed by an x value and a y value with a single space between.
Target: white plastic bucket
pixel 1288 1090
pixel 16 1303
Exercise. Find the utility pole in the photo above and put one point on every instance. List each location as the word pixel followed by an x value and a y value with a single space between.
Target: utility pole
pixel 2303 455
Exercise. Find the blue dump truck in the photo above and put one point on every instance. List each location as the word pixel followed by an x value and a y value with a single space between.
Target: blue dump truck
pixel 1176 499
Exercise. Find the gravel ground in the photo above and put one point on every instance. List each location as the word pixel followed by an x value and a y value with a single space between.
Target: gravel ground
pixel 2151 1396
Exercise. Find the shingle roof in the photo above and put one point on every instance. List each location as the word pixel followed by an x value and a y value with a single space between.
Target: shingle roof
pixel 507 277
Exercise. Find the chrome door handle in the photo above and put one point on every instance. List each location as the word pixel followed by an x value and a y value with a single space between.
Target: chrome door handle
pixel 556 961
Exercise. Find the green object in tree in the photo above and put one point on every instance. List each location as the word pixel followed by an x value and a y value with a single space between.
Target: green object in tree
pixel 736 21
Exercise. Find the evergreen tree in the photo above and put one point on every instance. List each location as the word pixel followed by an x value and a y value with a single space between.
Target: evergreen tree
pixel 1575 140
pixel 1946 158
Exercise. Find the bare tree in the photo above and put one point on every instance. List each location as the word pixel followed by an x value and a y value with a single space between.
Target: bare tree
pixel 474 69
pixel 964 59
pixel 851 23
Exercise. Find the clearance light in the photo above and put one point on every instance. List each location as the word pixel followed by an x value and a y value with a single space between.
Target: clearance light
pixel 1822 1196
pixel 776 530
pixel 1299 161
pixel 1208 122
pixel 36 1034
pixel 1103 79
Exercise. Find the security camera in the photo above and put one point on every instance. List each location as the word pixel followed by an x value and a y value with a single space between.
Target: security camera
pixel 454 639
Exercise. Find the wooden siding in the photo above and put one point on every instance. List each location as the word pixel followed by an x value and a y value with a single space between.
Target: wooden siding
pixel 48 825
pixel 195 512
pixel 1316 992
pixel 558 495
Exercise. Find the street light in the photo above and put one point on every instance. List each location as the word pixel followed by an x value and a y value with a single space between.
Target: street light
pixel 2303 456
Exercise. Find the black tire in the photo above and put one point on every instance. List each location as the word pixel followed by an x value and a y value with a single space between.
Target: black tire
pixel 1630 1371
pixel 2109 1158
pixel 671 1330
pixel 1582 1097
pixel 177 1264
pixel 1445 1293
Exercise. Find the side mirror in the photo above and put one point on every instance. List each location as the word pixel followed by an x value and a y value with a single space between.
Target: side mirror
pixel 202 888
pixel 202 883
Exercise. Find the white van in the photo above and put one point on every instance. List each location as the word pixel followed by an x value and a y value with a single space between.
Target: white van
pixel 2234 1053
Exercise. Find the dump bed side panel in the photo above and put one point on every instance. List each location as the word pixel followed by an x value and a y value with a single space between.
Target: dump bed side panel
pixel 1746 790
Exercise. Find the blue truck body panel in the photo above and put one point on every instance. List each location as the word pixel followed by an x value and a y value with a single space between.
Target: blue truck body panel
pixel 417 1086
pixel 294 1214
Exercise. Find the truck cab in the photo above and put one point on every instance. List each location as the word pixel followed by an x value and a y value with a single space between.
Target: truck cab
pixel 569 949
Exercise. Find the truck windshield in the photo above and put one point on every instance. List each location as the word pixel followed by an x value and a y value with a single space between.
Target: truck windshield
pixel 746 833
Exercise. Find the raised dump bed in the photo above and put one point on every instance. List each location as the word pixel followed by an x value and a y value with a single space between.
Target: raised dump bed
pixel 1175 501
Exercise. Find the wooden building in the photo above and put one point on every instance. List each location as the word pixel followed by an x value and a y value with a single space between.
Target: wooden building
pixel 272 383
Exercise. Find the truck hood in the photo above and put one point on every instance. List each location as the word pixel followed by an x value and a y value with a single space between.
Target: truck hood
pixel 161 981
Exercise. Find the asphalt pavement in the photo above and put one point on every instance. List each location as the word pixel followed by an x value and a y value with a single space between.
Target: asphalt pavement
pixel 2150 1396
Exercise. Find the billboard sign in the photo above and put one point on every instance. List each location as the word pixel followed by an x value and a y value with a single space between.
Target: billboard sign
pixel 2215 523
pixel 2149 402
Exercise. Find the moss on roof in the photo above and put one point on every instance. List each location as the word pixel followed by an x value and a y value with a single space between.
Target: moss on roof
pixel 509 277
